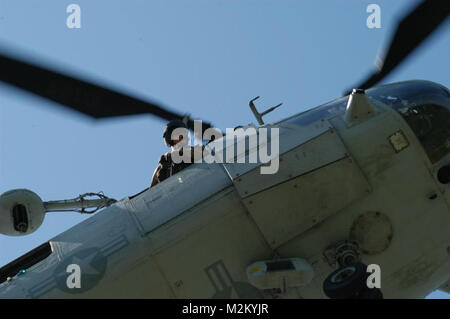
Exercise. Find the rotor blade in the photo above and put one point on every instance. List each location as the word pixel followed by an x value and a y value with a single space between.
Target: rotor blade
pixel 87 98
pixel 410 33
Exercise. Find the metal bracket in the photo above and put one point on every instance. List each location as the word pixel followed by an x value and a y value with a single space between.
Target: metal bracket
pixel 342 253
pixel 258 115
pixel 80 204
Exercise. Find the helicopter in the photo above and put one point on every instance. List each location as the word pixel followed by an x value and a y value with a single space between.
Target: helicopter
pixel 342 199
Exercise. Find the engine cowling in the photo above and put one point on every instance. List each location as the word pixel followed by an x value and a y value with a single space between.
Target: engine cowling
pixel 21 212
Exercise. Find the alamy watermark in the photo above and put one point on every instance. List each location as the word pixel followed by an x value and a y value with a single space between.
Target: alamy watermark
pixel 374 19
pixel 374 279
pixel 73 20
pixel 74 277
pixel 240 145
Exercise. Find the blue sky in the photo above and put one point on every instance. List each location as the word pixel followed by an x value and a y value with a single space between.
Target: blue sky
pixel 205 57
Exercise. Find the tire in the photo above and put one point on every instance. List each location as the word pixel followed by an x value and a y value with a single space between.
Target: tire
pixel 346 282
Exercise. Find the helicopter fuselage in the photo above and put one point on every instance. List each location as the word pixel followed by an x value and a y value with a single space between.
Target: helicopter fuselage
pixel 373 180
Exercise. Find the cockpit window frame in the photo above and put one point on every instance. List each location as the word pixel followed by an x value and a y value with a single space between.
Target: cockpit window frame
pixel 407 94
pixel 423 105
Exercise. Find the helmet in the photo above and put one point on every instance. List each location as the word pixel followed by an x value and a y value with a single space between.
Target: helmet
pixel 170 127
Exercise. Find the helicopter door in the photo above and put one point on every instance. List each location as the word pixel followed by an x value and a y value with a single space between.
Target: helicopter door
pixel 315 180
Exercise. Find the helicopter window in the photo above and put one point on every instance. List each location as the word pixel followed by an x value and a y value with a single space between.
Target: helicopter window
pixel 431 124
pixel 425 106
pixel 409 91
pixel 26 261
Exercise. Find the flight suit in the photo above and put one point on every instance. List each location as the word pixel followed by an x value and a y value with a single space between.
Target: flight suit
pixel 167 167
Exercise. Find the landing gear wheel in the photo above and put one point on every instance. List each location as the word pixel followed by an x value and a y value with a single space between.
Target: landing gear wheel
pixel 346 282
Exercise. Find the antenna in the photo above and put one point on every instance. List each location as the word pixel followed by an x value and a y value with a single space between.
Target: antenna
pixel 258 115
